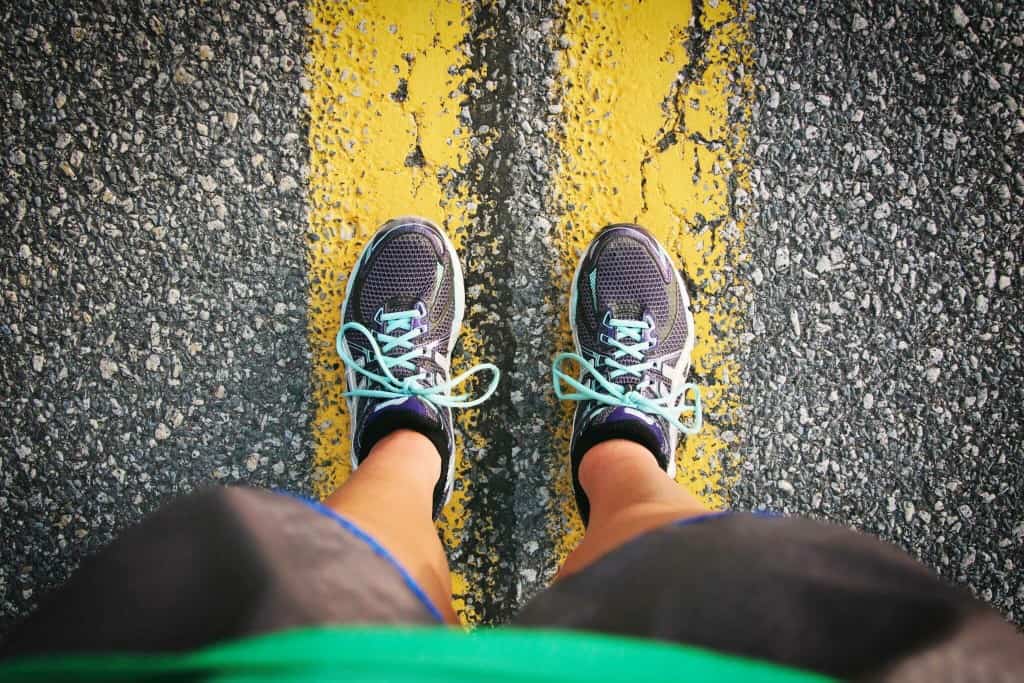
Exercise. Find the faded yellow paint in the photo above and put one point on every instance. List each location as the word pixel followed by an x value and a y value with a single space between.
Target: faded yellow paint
pixel 624 89
pixel 385 140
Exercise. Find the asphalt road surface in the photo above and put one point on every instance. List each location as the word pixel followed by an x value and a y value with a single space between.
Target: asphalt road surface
pixel 182 187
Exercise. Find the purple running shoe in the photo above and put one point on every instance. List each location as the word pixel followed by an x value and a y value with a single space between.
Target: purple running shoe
pixel 631 322
pixel 402 313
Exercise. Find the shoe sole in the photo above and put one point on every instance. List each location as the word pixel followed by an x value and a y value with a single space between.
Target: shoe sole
pixel 458 285
pixel 682 368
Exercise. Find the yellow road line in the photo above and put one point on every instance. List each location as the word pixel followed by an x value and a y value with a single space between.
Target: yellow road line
pixel 651 138
pixel 385 140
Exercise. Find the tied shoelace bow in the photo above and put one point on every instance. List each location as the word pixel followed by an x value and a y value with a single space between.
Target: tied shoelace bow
pixel 385 344
pixel 670 407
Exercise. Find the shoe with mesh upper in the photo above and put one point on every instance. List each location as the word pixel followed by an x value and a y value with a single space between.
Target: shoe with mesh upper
pixel 633 330
pixel 402 313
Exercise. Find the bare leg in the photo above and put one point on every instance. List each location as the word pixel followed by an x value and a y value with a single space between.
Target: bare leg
pixel 629 495
pixel 390 496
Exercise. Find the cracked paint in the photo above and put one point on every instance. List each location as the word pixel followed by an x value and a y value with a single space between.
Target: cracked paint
pixel 387 82
pixel 656 108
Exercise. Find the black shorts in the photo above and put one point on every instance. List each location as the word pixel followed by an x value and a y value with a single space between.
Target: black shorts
pixel 227 563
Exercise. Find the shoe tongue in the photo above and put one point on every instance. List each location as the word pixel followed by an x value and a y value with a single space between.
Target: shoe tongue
pixel 635 423
pixel 627 311
pixel 409 404
pixel 628 381
pixel 393 305
pixel 400 303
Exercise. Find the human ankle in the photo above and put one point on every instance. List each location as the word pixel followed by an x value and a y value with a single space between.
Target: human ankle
pixel 618 474
pixel 618 468
pixel 409 450
pixel 610 454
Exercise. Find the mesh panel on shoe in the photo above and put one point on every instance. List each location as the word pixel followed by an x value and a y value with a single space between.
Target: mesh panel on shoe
pixel 402 271
pixel 629 282
pixel 442 313
pixel 404 265
pixel 677 339
pixel 626 273
pixel 586 316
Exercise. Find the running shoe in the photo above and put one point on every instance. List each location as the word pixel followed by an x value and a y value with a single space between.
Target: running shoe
pixel 402 313
pixel 631 322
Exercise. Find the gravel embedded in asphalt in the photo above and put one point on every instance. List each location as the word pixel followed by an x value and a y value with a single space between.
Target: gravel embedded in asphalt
pixel 153 310
pixel 152 320
pixel 883 366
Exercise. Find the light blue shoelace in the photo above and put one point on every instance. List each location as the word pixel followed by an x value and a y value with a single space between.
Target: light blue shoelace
pixel 670 407
pixel 387 342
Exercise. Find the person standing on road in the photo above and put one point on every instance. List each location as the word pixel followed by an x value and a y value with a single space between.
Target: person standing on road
pixel 254 585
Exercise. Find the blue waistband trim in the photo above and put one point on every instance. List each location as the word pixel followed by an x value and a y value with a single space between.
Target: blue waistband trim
pixel 702 518
pixel 763 514
pixel 374 545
